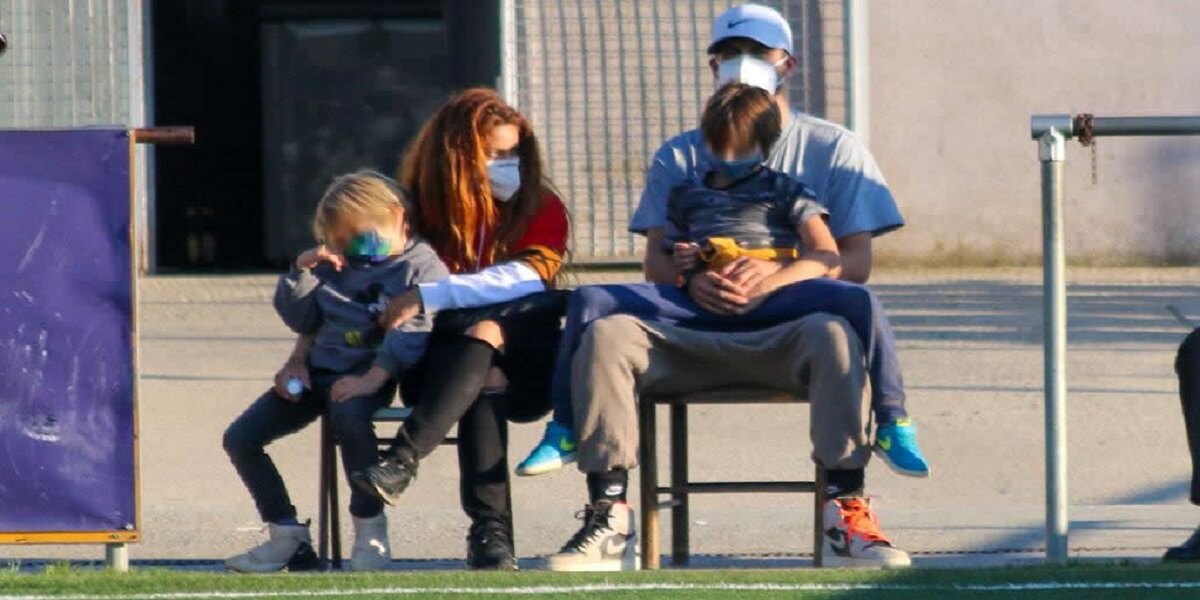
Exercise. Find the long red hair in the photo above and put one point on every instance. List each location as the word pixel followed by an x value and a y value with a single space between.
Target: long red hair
pixel 445 169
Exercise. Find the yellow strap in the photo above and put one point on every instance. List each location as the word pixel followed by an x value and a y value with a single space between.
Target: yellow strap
pixel 720 251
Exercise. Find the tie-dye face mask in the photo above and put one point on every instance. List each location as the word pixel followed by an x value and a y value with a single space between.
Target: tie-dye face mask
pixel 368 247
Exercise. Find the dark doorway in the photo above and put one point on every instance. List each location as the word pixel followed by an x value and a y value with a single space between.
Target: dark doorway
pixel 287 94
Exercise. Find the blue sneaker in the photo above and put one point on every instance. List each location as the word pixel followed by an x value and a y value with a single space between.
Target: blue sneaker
pixel 896 444
pixel 556 449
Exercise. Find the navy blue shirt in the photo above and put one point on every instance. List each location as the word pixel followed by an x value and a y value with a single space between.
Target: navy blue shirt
pixel 762 210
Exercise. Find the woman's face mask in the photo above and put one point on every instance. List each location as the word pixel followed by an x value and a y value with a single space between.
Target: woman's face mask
pixel 504 175
pixel 750 70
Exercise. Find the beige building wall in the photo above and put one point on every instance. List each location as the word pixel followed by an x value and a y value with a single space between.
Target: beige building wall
pixel 953 84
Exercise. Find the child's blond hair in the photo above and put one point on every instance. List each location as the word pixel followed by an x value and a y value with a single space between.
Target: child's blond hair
pixel 364 196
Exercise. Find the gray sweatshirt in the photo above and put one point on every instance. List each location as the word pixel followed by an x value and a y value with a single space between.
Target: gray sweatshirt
pixel 342 308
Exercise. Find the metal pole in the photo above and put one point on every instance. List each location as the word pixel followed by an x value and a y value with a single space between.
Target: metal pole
pixel 858 61
pixel 508 52
pixel 1052 154
pixel 116 557
pixel 1051 132
pixel 1158 126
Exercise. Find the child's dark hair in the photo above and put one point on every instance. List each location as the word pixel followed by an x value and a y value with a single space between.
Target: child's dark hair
pixel 740 114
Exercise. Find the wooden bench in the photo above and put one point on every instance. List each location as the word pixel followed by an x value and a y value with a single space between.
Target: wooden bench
pixel 329 531
pixel 682 486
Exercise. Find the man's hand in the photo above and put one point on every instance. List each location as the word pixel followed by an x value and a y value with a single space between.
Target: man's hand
pixel 292 368
pixel 354 386
pixel 754 298
pixel 315 256
pixel 685 256
pixel 715 293
pixel 747 273
pixel 401 309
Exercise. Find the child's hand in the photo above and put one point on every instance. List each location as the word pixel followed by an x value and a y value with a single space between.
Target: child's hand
pixel 291 369
pixel 315 256
pixel 353 386
pixel 685 255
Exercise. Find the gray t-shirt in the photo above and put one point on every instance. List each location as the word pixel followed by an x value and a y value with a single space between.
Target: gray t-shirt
pixel 827 157
pixel 760 211
pixel 341 308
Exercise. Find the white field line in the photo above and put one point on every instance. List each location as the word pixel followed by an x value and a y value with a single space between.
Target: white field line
pixel 636 587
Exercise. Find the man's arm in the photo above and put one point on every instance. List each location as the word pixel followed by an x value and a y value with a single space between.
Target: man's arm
pixel 855 250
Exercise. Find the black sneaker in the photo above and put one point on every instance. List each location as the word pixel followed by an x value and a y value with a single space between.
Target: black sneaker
pixel 490 547
pixel 389 477
pixel 1189 551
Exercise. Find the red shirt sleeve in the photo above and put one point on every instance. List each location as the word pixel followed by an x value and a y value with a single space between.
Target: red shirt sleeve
pixel 549 228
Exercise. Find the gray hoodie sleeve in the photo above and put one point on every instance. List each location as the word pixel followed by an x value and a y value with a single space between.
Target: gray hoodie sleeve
pixel 402 347
pixel 296 302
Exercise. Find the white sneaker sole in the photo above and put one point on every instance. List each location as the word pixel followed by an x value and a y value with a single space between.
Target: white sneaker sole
pixel 833 560
pixel 257 569
pixel 546 467
pixel 895 468
pixel 369 565
pixel 625 563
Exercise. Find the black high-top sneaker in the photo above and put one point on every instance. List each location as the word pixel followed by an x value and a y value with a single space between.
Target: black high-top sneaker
pixel 1188 551
pixel 490 546
pixel 388 478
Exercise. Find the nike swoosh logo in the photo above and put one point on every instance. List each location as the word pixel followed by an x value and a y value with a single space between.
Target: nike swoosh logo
pixel 614 546
pixel 885 444
pixel 566 445
pixel 733 24
pixel 838 541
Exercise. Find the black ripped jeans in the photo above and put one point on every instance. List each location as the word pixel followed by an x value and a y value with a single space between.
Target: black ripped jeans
pixel 272 417
pixel 445 389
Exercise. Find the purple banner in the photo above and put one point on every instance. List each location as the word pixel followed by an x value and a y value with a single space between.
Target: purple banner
pixel 66 324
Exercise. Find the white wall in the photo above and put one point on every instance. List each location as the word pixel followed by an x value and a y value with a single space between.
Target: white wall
pixel 953 84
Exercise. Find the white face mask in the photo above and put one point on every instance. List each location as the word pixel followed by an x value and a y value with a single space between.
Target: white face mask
pixel 750 71
pixel 504 174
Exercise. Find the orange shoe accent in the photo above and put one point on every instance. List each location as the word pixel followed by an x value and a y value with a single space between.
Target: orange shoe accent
pixel 860 520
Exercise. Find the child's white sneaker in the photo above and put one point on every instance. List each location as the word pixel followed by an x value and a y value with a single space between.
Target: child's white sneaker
pixel 371 550
pixel 289 548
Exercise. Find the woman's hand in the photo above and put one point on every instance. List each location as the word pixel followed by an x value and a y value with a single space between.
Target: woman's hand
pixel 292 368
pixel 685 256
pixel 401 309
pixel 315 256
pixel 354 386
pixel 716 293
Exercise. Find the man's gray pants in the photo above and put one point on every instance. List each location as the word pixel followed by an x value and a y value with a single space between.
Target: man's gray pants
pixel 817 358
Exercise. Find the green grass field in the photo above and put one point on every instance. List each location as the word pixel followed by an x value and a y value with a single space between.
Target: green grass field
pixel 1076 581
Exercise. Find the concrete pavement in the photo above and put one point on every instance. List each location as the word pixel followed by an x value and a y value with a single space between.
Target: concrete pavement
pixel 970 344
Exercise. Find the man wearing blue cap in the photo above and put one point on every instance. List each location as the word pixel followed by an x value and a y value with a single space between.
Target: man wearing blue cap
pixel 751 44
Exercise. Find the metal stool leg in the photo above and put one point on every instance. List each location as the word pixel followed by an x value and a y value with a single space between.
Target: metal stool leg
pixel 680 515
pixel 649 484
pixel 819 498
pixel 335 519
pixel 323 487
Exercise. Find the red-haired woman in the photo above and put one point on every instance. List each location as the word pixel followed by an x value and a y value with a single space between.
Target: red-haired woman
pixel 485 206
